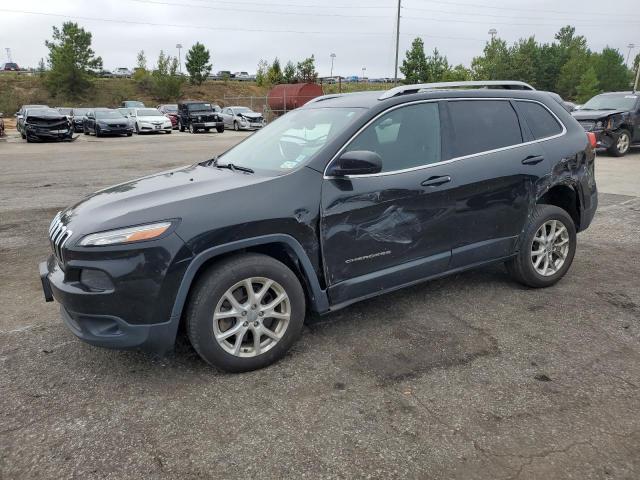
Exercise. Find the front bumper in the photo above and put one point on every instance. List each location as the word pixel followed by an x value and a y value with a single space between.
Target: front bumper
pixel 41 134
pixel 207 124
pixel 147 127
pixel 115 131
pixel 251 126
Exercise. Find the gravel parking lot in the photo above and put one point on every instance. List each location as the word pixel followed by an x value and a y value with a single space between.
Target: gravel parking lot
pixel 470 377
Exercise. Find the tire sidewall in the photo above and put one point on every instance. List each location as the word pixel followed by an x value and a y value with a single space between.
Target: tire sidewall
pixel 614 148
pixel 211 289
pixel 543 215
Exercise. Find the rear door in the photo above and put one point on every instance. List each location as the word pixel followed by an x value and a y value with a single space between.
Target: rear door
pixel 497 169
pixel 384 230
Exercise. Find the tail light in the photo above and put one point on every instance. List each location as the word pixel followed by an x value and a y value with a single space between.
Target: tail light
pixel 592 139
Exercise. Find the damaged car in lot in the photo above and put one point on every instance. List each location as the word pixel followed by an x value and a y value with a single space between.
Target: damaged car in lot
pixel 399 187
pixel 614 118
pixel 242 118
pixel 41 124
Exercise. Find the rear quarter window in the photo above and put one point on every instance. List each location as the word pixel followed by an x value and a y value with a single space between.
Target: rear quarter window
pixel 483 125
pixel 540 120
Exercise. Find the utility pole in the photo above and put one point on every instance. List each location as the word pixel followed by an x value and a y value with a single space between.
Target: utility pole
pixel 395 75
pixel 179 47
pixel 333 56
pixel 635 84
pixel 9 59
pixel 631 46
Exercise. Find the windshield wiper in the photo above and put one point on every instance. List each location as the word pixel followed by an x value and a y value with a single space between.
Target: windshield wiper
pixel 212 161
pixel 231 166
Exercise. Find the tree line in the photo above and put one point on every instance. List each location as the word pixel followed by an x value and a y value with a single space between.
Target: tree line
pixel 273 74
pixel 566 66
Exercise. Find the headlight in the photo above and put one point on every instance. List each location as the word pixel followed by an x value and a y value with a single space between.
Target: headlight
pixel 599 124
pixel 102 124
pixel 126 235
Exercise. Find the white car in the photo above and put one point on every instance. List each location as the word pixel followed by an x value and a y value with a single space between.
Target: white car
pixel 122 72
pixel 146 120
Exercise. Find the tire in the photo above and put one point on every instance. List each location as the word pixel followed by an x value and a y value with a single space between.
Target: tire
pixel 236 127
pixel 129 134
pixel 522 267
pixel 85 131
pixel 180 126
pixel 220 129
pixel 137 129
pixel 97 131
pixel 621 145
pixel 207 130
pixel 169 131
pixel 24 137
pixel 208 296
pixel 192 129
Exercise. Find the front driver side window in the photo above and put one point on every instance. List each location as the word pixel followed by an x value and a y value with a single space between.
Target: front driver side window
pixel 404 138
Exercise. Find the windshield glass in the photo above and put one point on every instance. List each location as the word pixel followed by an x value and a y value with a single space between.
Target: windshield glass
pixel 108 114
pixel 292 140
pixel 611 102
pixel 65 111
pixel 193 107
pixel 171 108
pixel 149 112
pixel 241 109
pixel 42 111
pixel 80 111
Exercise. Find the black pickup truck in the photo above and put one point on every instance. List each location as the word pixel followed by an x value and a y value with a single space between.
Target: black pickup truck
pixel 196 115
pixel 614 118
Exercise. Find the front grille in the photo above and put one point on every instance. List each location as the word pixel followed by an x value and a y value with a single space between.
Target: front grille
pixel 587 125
pixel 58 236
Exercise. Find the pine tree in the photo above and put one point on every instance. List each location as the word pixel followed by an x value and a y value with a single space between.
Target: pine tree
pixel 197 63
pixel 588 86
pixel 274 75
pixel 289 73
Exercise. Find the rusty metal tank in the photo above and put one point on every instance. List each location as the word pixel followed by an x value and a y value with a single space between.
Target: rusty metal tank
pixel 285 97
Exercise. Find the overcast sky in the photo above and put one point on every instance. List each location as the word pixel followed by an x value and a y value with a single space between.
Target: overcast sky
pixel 361 33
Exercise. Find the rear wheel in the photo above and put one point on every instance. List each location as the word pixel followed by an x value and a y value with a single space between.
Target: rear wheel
pixel 245 313
pixel 137 129
pixel 547 249
pixel 192 129
pixel 621 145
pixel 180 126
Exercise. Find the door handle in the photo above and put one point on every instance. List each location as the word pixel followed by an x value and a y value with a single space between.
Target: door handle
pixel 533 160
pixel 436 181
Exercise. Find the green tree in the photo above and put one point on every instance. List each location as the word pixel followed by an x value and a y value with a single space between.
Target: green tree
pixel 41 67
pixel 140 73
pixel 414 65
pixel 494 63
pixel 437 67
pixel 141 60
pixel 71 59
pixel 588 86
pixel 261 73
pixel 289 72
pixel 166 83
pixel 572 71
pixel 459 73
pixel 610 69
pixel 197 63
pixel 274 74
pixel 524 61
pixel 306 70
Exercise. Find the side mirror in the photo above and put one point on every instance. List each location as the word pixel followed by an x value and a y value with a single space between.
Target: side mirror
pixel 356 162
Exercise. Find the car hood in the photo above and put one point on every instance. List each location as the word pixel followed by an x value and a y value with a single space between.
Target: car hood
pixel 153 119
pixel 250 115
pixel 162 196
pixel 594 114
pixel 113 121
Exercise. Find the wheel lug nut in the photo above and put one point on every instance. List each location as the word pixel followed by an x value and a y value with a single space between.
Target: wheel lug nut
pixel 261 314
pixel 253 307
pixel 245 324
pixel 255 324
pixel 244 313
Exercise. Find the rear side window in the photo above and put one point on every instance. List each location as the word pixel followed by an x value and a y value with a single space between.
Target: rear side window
pixel 483 125
pixel 541 122
pixel 406 137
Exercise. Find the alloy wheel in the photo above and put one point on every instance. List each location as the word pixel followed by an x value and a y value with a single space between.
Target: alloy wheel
pixel 623 142
pixel 251 317
pixel 550 247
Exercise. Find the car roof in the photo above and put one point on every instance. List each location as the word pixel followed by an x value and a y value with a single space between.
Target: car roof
pixel 618 93
pixel 372 99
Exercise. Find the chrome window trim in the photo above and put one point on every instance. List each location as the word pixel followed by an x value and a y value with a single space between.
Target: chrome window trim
pixel 451 160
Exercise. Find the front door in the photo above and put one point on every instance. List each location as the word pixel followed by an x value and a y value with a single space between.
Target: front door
pixel 392 228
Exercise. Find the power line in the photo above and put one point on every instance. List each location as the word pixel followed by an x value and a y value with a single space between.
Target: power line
pixel 247 10
pixel 323 6
pixel 492 22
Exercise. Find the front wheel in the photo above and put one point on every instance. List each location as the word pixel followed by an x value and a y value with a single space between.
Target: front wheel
pixel 621 145
pixel 547 249
pixel 245 312
pixel 192 129
pixel 180 126
pixel 236 127
pixel 220 129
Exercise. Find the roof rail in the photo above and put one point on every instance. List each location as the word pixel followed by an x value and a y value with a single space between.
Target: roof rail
pixel 406 89
pixel 322 98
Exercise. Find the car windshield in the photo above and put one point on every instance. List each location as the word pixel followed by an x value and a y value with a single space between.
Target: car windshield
pixel 42 111
pixel 80 111
pixel 291 141
pixel 241 109
pixel 149 112
pixel 198 107
pixel 108 114
pixel 65 111
pixel 171 108
pixel 611 102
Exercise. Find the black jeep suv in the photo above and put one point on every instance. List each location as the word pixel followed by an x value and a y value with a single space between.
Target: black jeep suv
pixel 614 118
pixel 196 115
pixel 343 199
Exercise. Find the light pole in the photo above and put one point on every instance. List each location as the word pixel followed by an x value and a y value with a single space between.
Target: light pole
pixel 364 69
pixel 493 32
pixel 631 46
pixel 395 68
pixel 179 47
pixel 333 56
